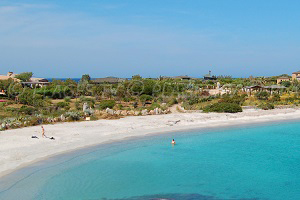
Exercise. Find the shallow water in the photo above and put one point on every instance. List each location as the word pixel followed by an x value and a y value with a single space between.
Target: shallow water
pixel 254 162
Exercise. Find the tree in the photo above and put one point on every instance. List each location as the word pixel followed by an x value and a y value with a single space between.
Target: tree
pixel 148 87
pixel 286 83
pixel 97 91
pixel 136 77
pixel 85 78
pixel 284 75
pixel 83 85
pixel 263 95
pixel 145 98
pixel 25 76
pixel 5 84
pixel 72 85
pixel 121 92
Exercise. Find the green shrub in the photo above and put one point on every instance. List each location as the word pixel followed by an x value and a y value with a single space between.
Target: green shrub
pixel 94 118
pixel 223 107
pixel 126 99
pixel 77 105
pixel 210 98
pixel 28 97
pixel 25 76
pixel 153 106
pixel 145 97
pixel 67 99
pixel 276 97
pixel 120 106
pixel 91 102
pixel 193 100
pixel 290 99
pixel 89 112
pixel 9 109
pixel 74 116
pixel 172 102
pixel 27 110
pixel 266 106
pixel 186 106
pixel 263 95
pixel 54 93
pixel 286 83
pixel 62 104
pixel 106 104
pixel 237 99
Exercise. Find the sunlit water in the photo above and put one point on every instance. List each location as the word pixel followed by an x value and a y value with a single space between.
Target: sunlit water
pixel 254 162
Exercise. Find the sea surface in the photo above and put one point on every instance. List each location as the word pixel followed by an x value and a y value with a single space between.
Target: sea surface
pixel 247 162
pixel 74 79
pixel 64 79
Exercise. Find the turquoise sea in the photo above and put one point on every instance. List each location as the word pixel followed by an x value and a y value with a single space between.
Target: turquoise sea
pixel 247 162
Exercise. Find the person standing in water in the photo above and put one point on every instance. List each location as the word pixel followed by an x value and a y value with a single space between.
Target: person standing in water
pixel 173 142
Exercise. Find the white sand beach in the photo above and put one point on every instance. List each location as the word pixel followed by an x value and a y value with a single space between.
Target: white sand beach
pixel 18 149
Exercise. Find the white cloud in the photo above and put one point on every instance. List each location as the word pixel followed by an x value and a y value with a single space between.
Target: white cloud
pixel 8 9
pixel 18 7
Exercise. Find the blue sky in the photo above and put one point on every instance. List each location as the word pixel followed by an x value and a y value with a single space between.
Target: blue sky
pixel 149 37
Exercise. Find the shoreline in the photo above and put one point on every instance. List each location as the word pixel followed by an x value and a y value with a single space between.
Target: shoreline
pixel 18 149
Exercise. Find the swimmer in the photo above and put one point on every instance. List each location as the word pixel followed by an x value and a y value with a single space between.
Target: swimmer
pixel 173 142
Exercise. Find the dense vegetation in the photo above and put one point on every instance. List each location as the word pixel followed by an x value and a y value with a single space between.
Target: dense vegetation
pixel 223 107
pixel 64 100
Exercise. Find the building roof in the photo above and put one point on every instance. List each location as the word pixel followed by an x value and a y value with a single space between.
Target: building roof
pixel 275 87
pixel 38 80
pixel 207 75
pixel 298 72
pixel 266 87
pixel 34 83
pixel 183 77
pixel 253 86
pixel 283 77
pixel 4 77
pixel 210 77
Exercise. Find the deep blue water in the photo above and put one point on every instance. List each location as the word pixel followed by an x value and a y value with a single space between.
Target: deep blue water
pixel 253 162
pixel 74 79
pixel 64 79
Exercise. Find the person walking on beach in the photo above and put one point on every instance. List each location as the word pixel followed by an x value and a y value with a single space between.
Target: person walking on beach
pixel 44 136
pixel 43 132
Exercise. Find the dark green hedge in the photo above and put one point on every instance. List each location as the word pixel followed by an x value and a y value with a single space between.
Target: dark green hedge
pixel 266 106
pixel 223 107
pixel 106 104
